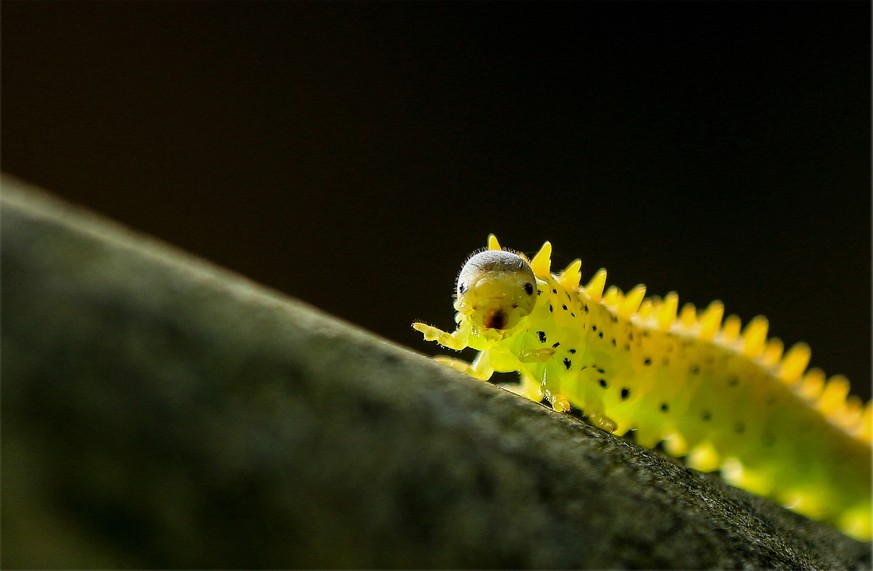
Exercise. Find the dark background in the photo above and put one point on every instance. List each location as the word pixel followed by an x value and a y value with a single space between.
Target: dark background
pixel 352 154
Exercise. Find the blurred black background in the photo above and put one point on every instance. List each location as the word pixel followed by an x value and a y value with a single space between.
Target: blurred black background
pixel 352 154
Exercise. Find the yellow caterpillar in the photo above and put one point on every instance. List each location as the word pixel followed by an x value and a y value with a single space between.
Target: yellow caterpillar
pixel 720 397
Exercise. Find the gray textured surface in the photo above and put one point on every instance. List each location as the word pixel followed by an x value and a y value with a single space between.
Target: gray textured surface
pixel 160 412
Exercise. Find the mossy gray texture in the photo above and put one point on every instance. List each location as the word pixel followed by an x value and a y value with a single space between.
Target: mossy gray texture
pixel 160 412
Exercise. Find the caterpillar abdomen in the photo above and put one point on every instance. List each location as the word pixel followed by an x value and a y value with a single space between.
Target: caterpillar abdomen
pixel 720 396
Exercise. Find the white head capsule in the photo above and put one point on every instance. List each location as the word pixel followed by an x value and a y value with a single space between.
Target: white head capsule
pixel 496 289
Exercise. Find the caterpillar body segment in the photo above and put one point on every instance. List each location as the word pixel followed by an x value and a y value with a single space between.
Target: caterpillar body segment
pixel 721 395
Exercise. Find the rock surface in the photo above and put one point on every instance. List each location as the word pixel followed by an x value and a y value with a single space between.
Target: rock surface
pixel 160 412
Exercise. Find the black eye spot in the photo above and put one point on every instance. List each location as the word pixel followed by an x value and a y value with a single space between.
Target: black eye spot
pixel 462 288
pixel 528 288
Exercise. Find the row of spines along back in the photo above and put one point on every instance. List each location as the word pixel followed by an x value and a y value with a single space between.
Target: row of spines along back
pixel 829 396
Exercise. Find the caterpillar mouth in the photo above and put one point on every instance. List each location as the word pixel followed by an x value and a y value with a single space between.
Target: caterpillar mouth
pixel 496 319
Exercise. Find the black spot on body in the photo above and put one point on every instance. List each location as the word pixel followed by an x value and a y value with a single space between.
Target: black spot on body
pixel 664 407
pixel 585 307
pixel 572 351
pixel 706 416
pixel 694 370
pixel 564 307
pixel 602 383
pixel 556 345
pixel 647 361
pixel 593 328
pixel 625 393
pixel 567 363
pixel 542 336
pixel 600 334
pixel 551 309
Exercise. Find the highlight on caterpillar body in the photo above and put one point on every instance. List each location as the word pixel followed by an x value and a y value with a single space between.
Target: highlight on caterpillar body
pixel 721 396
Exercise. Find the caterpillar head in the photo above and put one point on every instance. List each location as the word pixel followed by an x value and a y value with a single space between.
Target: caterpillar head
pixel 495 290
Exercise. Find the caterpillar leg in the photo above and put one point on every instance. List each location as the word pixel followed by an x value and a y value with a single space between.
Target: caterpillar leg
pixel 602 421
pixel 536 355
pixel 456 340
pixel 560 403
pixel 558 400
pixel 480 368
pixel 528 388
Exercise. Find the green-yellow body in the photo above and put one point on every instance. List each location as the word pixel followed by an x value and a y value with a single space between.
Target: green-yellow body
pixel 720 397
